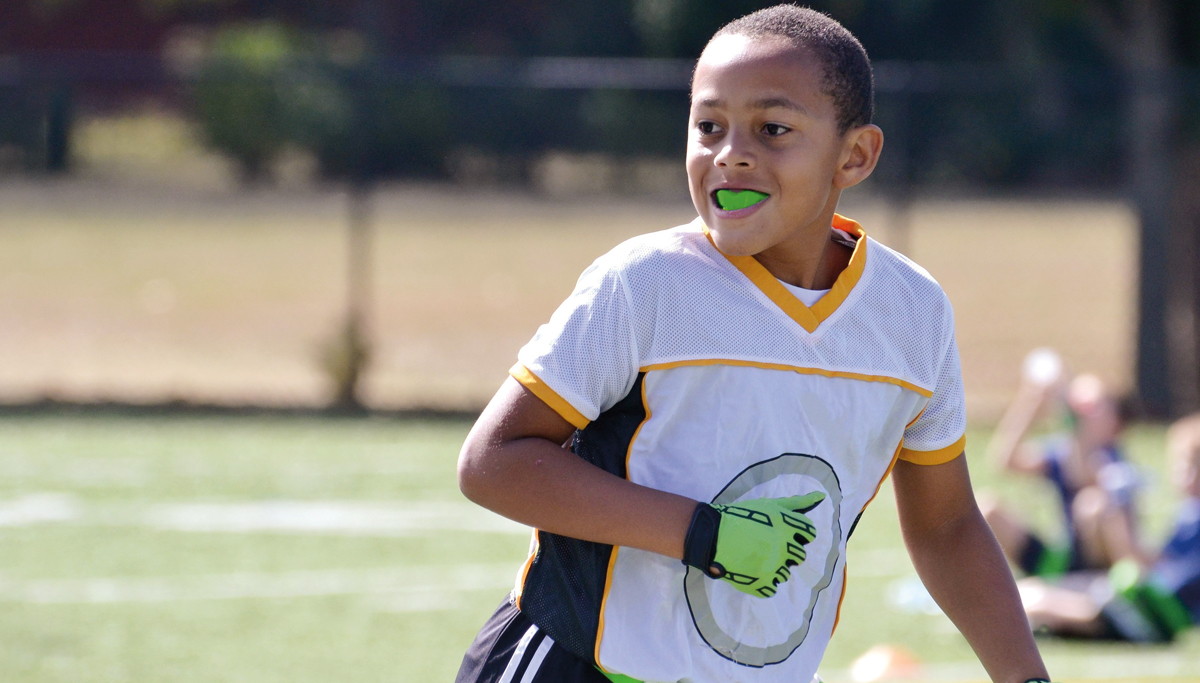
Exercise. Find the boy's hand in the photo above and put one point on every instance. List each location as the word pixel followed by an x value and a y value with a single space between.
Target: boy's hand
pixel 752 544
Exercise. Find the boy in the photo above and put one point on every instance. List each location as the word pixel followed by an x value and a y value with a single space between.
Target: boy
pixel 734 391
pixel 1127 603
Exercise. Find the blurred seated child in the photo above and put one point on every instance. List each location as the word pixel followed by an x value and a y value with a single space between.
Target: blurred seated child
pixel 1084 463
pixel 1127 603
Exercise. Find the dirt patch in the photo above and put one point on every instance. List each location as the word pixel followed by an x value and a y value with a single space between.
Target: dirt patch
pixel 145 293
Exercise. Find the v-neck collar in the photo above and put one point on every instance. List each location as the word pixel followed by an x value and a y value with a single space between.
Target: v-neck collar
pixel 807 317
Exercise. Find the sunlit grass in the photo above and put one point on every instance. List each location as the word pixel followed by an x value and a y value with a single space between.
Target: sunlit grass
pixel 160 621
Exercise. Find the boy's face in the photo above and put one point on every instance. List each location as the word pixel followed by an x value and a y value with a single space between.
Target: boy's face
pixel 759 121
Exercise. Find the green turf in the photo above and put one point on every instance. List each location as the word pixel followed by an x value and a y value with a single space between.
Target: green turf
pixel 106 595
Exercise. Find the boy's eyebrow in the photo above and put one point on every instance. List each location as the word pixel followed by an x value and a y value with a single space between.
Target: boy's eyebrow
pixel 773 102
pixel 765 103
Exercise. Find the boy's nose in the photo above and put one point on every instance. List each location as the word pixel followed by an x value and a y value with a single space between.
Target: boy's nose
pixel 734 152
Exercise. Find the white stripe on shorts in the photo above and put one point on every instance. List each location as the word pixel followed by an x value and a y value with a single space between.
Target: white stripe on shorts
pixel 511 669
pixel 536 662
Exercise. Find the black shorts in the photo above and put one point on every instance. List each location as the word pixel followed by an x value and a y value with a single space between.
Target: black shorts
pixel 511 649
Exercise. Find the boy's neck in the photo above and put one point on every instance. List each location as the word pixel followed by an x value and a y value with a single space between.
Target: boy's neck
pixel 809 257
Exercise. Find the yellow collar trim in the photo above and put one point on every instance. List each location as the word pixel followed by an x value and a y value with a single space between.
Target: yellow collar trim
pixel 808 318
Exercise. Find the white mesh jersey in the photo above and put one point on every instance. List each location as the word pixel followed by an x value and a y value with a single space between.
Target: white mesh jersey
pixel 696 373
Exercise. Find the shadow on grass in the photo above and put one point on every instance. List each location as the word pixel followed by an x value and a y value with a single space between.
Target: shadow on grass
pixel 188 408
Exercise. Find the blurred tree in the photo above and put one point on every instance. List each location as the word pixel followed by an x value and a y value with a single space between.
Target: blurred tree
pixel 238 94
pixel 1140 37
pixel 1032 105
pixel 264 87
pixel 22 121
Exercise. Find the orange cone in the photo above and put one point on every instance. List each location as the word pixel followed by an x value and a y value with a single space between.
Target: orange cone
pixel 885 663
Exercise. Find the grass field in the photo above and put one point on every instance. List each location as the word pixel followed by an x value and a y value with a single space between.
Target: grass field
pixel 146 293
pixel 260 551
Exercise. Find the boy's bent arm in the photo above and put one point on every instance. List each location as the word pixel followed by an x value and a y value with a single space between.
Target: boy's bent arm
pixel 961 564
pixel 514 464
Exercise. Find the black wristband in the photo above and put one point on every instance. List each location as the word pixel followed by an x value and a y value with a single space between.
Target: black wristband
pixel 1038 680
pixel 700 544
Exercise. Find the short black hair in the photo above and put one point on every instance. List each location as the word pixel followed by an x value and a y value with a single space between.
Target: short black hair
pixel 847 74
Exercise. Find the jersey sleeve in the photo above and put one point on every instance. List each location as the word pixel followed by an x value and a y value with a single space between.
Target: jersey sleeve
pixel 938 434
pixel 585 359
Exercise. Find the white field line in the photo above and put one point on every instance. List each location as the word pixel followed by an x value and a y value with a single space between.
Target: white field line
pixel 328 517
pixel 1151 663
pixel 331 517
pixel 136 471
pixel 949 672
pixel 417 588
pixel 38 508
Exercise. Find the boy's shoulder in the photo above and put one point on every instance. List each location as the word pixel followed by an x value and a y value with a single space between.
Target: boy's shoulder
pixel 898 270
pixel 689 242
pixel 683 261
pixel 680 244
pixel 904 304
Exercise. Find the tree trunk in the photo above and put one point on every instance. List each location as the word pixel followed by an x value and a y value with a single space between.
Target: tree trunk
pixel 1183 313
pixel 1150 119
pixel 347 354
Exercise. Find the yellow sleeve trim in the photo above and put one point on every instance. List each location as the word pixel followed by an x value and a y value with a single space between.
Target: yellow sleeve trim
pixel 549 396
pixel 937 457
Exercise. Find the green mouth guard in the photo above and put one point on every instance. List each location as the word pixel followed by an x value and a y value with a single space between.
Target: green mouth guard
pixel 732 200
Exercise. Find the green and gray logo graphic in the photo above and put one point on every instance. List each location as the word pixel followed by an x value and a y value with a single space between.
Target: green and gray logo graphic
pixel 696 586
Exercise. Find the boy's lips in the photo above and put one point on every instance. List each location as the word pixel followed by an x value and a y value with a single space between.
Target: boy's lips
pixel 730 195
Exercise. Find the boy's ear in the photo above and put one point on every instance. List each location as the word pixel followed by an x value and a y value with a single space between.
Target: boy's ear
pixel 859 155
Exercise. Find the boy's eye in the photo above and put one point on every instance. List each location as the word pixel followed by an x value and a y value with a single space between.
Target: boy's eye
pixel 775 129
pixel 708 128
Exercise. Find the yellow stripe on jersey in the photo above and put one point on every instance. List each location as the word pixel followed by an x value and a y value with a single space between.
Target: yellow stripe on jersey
pixel 791 368
pixel 612 560
pixel 837 616
pixel 808 318
pixel 533 553
pixel 549 396
pixel 941 455
pixel 608 579
pixel 845 566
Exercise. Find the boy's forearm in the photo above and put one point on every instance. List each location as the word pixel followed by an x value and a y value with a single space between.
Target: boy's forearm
pixel 533 480
pixel 545 486
pixel 966 573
